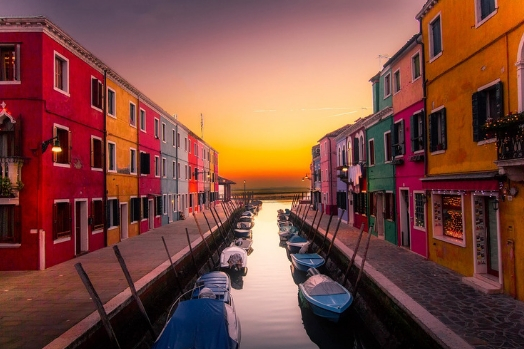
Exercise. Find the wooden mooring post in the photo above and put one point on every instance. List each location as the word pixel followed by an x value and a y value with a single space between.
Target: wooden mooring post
pixel 181 289
pixel 354 254
pixel 98 303
pixel 363 262
pixel 191 250
pixel 205 242
pixel 325 235
pixel 131 284
pixel 334 235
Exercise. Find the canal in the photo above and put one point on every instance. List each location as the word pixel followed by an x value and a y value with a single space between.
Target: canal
pixel 267 299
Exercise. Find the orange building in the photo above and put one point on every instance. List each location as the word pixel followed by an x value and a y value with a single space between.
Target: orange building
pixel 472 80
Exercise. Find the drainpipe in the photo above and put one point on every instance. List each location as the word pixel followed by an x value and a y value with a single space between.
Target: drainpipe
pixel 104 203
pixel 139 169
pixel 177 164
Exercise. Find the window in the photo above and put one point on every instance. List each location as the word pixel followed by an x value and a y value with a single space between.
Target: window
pixel 111 157
pixel 178 170
pixel 415 66
pixel 349 153
pixel 157 166
pixel 132 161
pixel 10 65
pixel 61 220
pixel 448 219
pixel 98 215
pixel 157 131
pixel 111 102
pixel 190 174
pixel 159 209
pixel 145 208
pixel 96 153
pixel 185 144
pixel 163 132
pixel 112 216
pixel 164 204
pixel 435 38
pixel 142 120
pixel 164 167
pixel 189 147
pixel 173 136
pixel 174 169
pixel 185 171
pixel 387 85
pixel 356 151
pixel 437 130
pixel 487 107
pixel 178 140
pixel 399 146
pixel 360 203
pixel 420 215
pixel 96 93
pixel 9 224
pixel 132 114
pixel 145 163
pixel 61 73
pixel 396 78
pixel 387 147
pixel 371 152
pixel 373 204
pixel 135 209
pixel 485 9
pixel 417 131
pixel 64 137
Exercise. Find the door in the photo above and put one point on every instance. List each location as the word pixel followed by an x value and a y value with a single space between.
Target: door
pixel 124 218
pixel 151 217
pixel 404 218
pixel 170 210
pixel 492 238
pixel 380 216
pixel 81 228
pixel 351 211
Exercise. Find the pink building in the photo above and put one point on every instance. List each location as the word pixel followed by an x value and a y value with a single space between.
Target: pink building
pixel 328 170
pixel 55 210
pixel 408 145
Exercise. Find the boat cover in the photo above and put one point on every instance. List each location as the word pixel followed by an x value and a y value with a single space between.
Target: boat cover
pixel 197 323
pixel 322 285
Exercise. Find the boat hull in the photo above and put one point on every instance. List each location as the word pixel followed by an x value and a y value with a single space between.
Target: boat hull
pixel 242 233
pixel 304 261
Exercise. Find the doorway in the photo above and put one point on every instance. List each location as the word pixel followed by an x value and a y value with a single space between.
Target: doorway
pixel 151 218
pixel 404 218
pixel 124 218
pixel 81 228
pixel 486 236
pixel 380 216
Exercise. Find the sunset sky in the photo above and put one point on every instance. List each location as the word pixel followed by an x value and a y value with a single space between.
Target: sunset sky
pixel 270 77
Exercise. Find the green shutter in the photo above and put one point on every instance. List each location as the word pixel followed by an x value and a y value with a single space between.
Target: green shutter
pixel 444 130
pixel 499 93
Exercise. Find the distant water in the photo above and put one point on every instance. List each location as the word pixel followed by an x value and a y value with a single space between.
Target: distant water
pixel 273 190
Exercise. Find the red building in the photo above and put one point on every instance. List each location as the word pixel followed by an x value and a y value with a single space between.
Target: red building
pixel 49 206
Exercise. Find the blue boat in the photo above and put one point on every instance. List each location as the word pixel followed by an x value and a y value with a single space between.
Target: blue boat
pixel 325 297
pixel 295 243
pixel 207 320
pixel 304 261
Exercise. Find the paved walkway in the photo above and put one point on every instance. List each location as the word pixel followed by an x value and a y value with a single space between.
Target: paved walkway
pixel 48 308
pixel 457 314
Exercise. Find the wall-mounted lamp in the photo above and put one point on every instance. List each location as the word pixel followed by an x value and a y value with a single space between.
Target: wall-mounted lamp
pixel 55 149
pixel 496 204
pixel 306 177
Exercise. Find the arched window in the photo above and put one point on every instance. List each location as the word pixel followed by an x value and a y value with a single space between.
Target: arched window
pixel 349 153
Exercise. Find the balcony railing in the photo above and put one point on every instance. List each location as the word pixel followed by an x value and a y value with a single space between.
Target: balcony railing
pixel 509 131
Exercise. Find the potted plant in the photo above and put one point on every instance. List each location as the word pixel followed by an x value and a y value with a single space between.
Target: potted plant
pixel 6 188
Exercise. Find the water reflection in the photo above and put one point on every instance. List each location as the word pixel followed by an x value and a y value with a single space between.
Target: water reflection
pixel 267 298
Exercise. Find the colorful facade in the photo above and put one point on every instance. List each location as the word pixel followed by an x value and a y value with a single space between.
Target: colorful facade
pixel 111 179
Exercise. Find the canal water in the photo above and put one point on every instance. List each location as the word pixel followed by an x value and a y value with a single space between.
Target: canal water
pixel 268 304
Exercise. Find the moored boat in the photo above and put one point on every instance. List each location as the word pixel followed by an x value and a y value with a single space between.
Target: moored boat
pixel 303 261
pixel 295 243
pixel 233 257
pixel 326 298
pixel 242 233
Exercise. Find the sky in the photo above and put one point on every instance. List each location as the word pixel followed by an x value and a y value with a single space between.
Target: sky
pixel 269 77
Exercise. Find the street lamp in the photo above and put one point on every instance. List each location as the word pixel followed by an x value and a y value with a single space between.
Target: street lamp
pixel 55 149
pixel 305 177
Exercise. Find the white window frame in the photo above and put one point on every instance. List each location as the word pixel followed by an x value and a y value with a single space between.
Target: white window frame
pixel 164 204
pixel 113 103
pixel 157 128
pixel 417 56
pixel 432 55
pixel 109 164
pixel 65 73
pixel 93 152
pixel 132 116
pixel 438 231
pixel 69 145
pixel 163 132
pixel 396 75
pixel 174 169
pixel 157 166
pixel 164 169
pixel 371 140
pixel 67 238
pixel 478 13
pixel 387 85
pixel 386 151
pixel 17 79
pixel 173 135
pixel 110 227
pixel 133 158
pixel 101 86
pixel 143 120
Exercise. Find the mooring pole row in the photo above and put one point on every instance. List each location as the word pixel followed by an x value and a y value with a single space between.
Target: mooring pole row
pixel 219 227
pixel 325 235
pixel 205 241
pixel 131 284
pixel 304 219
pixel 363 262
pixel 98 303
pixel 346 275
pixel 222 225
pixel 173 267
pixel 211 231
pixel 192 255
pixel 311 231
pixel 334 234
pixel 318 224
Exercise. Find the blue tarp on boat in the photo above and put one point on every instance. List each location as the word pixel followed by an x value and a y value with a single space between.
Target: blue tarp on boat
pixel 199 324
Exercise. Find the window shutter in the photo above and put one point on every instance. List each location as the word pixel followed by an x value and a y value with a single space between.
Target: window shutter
pixel 116 213
pixel 94 91
pixel 146 208
pixel 18 138
pixel 144 163
pixel 356 160
pixel 433 131
pixel 100 94
pixel 422 135
pixel 476 110
pixel 55 221
pixel 108 214
pixel 444 130
pixel 499 92
pixel 70 145
pixel 158 205
pixel 401 136
pixel 17 224
pixel 412 135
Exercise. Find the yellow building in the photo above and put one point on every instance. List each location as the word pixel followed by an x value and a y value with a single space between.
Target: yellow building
pixel 473 61
pixel 123 202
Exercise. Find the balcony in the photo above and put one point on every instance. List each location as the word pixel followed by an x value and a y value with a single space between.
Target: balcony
pixel 10 183
pixel 342 174
pixel 509 132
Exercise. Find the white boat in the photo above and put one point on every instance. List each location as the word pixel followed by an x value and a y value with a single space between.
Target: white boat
pixel 233 257
pixel 244 243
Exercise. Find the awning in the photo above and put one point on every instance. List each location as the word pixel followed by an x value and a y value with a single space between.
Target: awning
pixel 478 181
